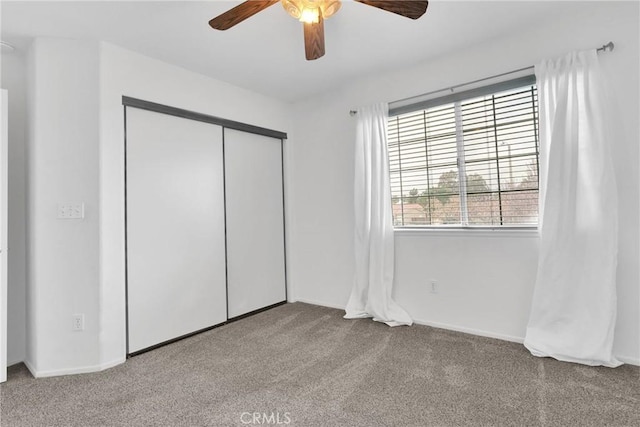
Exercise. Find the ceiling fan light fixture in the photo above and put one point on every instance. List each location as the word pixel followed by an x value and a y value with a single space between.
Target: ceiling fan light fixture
pixel 310 16
pixel 309 11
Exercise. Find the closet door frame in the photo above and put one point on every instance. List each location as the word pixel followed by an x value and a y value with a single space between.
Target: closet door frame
pixel 129 102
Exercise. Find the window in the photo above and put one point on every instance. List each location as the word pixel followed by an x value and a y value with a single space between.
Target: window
pixel 469 159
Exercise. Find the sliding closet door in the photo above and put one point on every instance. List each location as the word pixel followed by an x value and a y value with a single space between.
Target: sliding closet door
pixel 255 221
pixel 175 227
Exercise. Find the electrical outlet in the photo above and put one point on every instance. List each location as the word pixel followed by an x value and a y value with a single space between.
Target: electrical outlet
pixel 78 322
pixel 434 287
pixel 71 211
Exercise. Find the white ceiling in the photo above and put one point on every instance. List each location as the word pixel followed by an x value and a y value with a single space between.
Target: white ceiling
pixel 266 52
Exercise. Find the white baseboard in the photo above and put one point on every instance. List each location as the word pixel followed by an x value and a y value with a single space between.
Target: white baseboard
pixel 470 331
pixel 14 362
pixel 112 363
pixel 72 371
pixel 30 367
pixel 320 303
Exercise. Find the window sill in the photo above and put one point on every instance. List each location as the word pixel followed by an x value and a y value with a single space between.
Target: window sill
pixel 457 231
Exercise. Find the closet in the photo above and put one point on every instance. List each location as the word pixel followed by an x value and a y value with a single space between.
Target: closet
pixel 204 222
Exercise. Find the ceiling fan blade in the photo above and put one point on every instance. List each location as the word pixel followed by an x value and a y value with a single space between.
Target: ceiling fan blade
pixel 240 13
pixel 413 9
pixel 314 39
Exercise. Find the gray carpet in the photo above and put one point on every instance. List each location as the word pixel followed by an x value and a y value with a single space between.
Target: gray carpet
pixel 303 365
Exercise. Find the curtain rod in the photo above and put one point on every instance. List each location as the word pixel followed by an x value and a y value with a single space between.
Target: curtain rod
pixel 604 48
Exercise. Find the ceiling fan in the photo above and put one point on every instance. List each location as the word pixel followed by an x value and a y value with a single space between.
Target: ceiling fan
pixel 312 14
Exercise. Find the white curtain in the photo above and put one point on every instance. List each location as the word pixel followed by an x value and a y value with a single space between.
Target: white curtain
pixel 573 313
pixel 374 245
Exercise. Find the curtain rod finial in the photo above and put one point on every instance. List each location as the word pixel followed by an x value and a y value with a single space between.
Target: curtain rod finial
pixel 606 47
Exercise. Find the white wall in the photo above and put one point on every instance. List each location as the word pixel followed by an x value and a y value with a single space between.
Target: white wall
pixel 76 154
pixel 63 256
pixel 127 73
pixel 14 80
pixel 486 279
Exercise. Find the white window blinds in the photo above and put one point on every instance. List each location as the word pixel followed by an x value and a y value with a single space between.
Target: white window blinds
pixel 467 160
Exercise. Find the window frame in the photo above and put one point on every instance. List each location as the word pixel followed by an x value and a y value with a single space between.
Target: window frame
pixel 419 103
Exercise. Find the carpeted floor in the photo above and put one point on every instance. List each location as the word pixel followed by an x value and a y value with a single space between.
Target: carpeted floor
pixel 303 365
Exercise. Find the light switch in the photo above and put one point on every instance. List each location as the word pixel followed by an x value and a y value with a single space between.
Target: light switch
pixel 71 211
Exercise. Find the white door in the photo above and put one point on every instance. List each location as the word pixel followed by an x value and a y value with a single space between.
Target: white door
pixel 175 227
pixel 4 138
pixel 255 221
